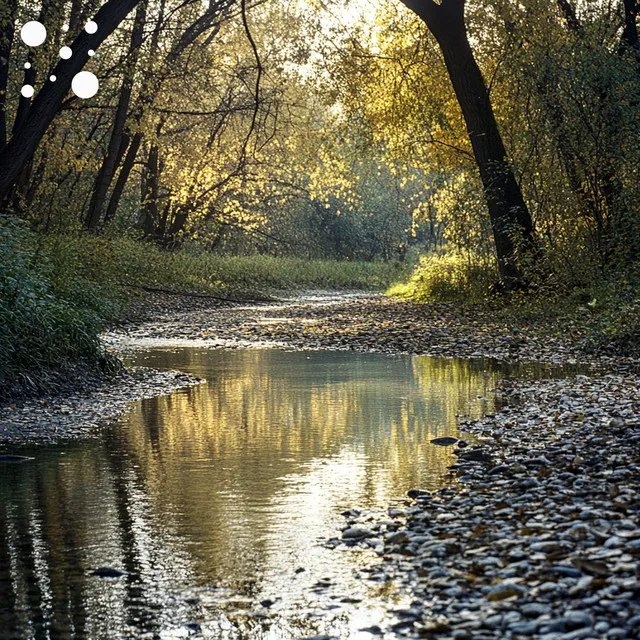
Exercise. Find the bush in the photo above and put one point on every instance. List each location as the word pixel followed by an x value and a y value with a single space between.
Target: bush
pixel 450 277
pixel 44 327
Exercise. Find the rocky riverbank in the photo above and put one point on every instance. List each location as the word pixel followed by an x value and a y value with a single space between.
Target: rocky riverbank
pixel 539 536
pixel 81 412
pixel 361 322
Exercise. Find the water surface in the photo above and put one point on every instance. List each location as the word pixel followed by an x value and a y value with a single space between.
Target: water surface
pixel 218 497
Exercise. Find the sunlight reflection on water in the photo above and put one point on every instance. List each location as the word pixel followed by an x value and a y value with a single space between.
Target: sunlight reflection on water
pixel 218 497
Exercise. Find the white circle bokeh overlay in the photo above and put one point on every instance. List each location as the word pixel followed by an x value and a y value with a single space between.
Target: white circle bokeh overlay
pixel 85 85
pixel 33 33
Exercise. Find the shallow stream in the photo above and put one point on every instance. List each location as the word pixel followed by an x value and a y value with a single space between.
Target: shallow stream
pixel 220 497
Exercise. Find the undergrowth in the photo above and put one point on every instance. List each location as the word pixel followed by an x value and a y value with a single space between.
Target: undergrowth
pixel 125 263
pixel 447 277
pixel 50 318
pixel 602 314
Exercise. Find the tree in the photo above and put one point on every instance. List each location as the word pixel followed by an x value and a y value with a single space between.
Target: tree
pixel 511 221
pixel 118 141
pixel 26 137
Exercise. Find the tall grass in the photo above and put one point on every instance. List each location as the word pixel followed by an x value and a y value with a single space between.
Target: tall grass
pixel 126 263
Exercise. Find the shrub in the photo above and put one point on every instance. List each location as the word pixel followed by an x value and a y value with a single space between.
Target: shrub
pixel 44 327
pixel 448 276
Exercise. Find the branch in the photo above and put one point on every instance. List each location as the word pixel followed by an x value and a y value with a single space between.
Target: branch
pixel 425 9
pixel 256 54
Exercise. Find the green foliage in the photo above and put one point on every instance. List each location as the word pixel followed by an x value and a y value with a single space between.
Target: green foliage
pixel 49 317
pixel 57 293
pixel 451 276
pixel 126 263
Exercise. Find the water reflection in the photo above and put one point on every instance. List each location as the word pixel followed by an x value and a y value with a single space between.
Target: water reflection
pixel 216 497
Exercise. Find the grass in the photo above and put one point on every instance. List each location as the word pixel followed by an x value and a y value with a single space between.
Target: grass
pixel 124 263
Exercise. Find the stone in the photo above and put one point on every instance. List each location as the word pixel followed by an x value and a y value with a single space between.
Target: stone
pixel 535 609
pixel 109 572
pixel 445 441
pixel 492 622
pixel 500 469
pixel 504 591
pixel 475 455
pixel 357 533
pixel 578 619
pixel 524 628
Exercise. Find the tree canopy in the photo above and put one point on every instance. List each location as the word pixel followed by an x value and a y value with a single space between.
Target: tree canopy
pixel 505 131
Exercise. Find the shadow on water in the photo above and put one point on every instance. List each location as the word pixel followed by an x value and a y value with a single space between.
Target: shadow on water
pixel 217 497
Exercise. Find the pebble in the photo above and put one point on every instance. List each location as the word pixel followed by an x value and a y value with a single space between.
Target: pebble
pixel 353 533
pixel 535 609
pixel 522 549
pixel 445 441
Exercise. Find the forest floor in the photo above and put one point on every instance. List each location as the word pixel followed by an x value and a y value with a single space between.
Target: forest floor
pixel 539 535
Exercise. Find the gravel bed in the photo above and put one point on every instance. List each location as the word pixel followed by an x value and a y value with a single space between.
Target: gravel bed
pixel 362 322
pixel 539 534
pixel 81 413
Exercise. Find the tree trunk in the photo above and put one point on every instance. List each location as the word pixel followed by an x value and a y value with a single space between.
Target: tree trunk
pixel 114 151
pixel 7 33
pixel 150 193
pixel 123 177
pixel 180 217
pixel 46 104
pixel 511 221
pixel 29 77
pixel 629 36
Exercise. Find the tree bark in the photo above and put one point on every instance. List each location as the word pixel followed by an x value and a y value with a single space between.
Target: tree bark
pixel 46 104
pixel 29 77
pixel 570 17
pixel 7 33
pixel 123 177
pixel 114 150
pixel 511 221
